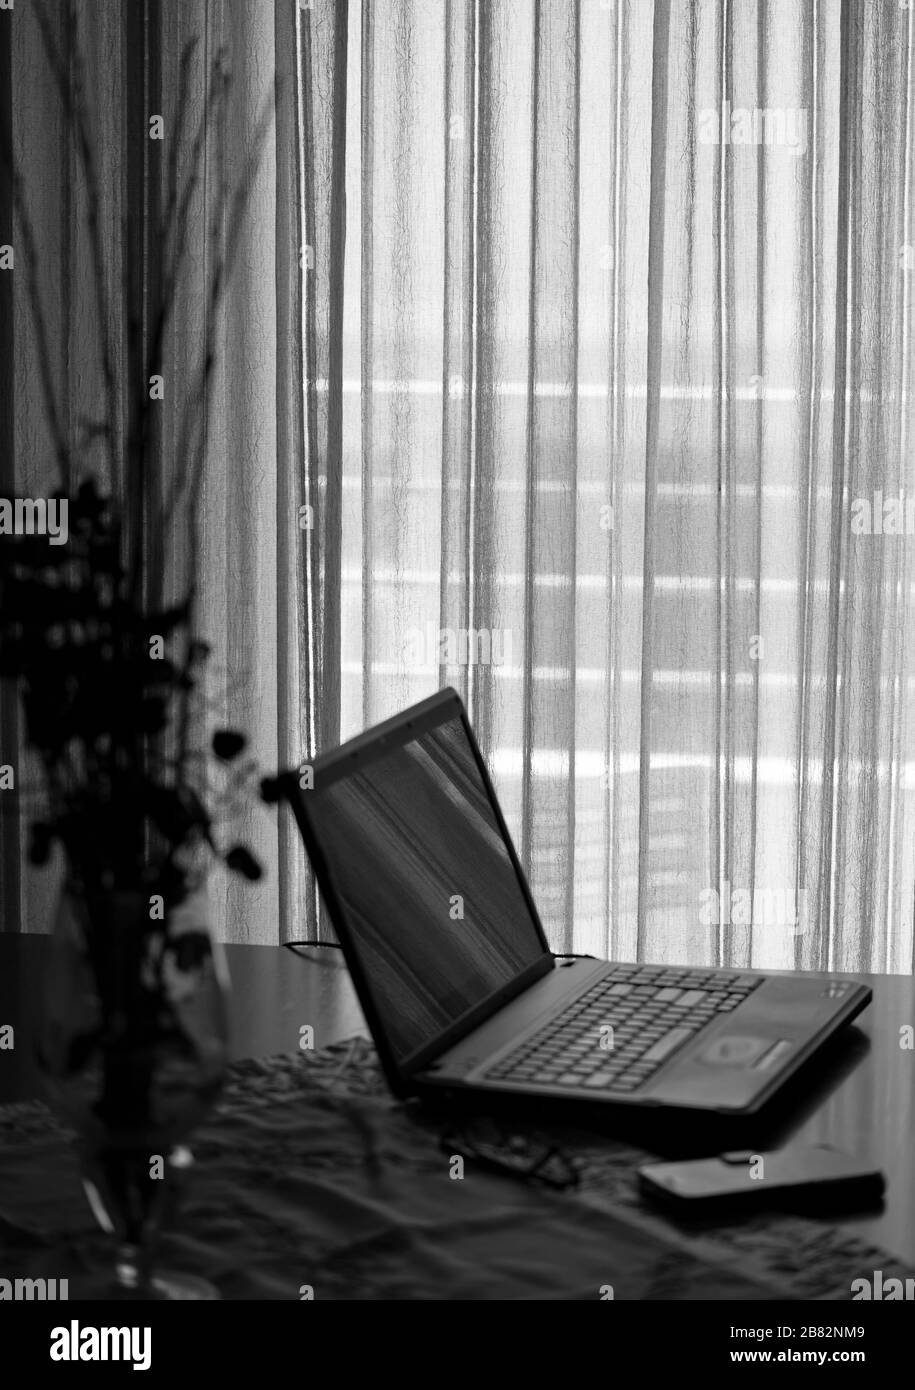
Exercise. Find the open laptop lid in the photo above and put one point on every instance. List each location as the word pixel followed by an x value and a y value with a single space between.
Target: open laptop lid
pixel 421 881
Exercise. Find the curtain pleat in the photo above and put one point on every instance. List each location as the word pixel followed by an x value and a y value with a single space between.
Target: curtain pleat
pixel 10 828
pixel 551 511
pixel 462 137
pixel 321 86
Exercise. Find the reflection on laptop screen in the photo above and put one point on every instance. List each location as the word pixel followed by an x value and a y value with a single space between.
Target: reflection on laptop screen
pixel 432 903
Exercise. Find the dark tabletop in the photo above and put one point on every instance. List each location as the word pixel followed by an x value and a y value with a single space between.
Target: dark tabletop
pixel 863 1099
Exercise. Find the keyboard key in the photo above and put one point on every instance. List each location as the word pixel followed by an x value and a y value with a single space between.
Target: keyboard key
pixel 692 998
pixel 668 1044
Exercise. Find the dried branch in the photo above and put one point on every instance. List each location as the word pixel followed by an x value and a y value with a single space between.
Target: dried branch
pixel 72 96
pixel 221 273
pixel 36 307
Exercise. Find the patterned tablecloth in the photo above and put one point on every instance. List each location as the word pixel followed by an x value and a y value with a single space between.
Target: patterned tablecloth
pixel 309 1176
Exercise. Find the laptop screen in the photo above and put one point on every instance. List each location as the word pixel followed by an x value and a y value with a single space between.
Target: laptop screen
pixel 433 907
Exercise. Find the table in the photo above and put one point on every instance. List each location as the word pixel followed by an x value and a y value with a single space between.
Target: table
pixel 863 1100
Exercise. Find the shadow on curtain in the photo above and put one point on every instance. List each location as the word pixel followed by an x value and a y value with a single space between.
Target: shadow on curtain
pixel 266 545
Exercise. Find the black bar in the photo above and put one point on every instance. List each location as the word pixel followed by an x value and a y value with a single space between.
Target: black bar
pixel 631 1341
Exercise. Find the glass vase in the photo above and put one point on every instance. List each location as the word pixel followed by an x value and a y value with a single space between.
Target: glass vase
pixel 134 1050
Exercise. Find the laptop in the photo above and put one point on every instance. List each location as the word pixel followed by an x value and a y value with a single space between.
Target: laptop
pixel 461 992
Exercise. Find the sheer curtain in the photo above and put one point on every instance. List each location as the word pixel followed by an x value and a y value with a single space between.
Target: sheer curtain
pixel 259 573
pixel 626 334
pixel 568 343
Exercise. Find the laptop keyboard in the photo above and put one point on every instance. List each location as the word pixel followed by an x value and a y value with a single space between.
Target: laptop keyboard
pixel 616 1035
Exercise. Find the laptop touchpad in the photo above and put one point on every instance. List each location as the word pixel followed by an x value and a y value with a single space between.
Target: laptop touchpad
pixel 734 1050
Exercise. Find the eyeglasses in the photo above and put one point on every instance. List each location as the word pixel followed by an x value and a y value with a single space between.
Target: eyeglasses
pixel 516 1155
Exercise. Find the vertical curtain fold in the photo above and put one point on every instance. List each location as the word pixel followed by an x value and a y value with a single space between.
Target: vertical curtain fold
pixel 9 708
pixel 548 635
pixel 320 87
pixel 657 215
pixel 462 138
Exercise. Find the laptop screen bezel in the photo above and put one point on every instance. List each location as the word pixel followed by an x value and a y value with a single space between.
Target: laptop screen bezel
pixel 353 756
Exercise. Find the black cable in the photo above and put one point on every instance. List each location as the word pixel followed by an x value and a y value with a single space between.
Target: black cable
pixel 531 1169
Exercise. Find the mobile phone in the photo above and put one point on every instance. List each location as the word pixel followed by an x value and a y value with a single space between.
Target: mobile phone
pixel 815 1175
